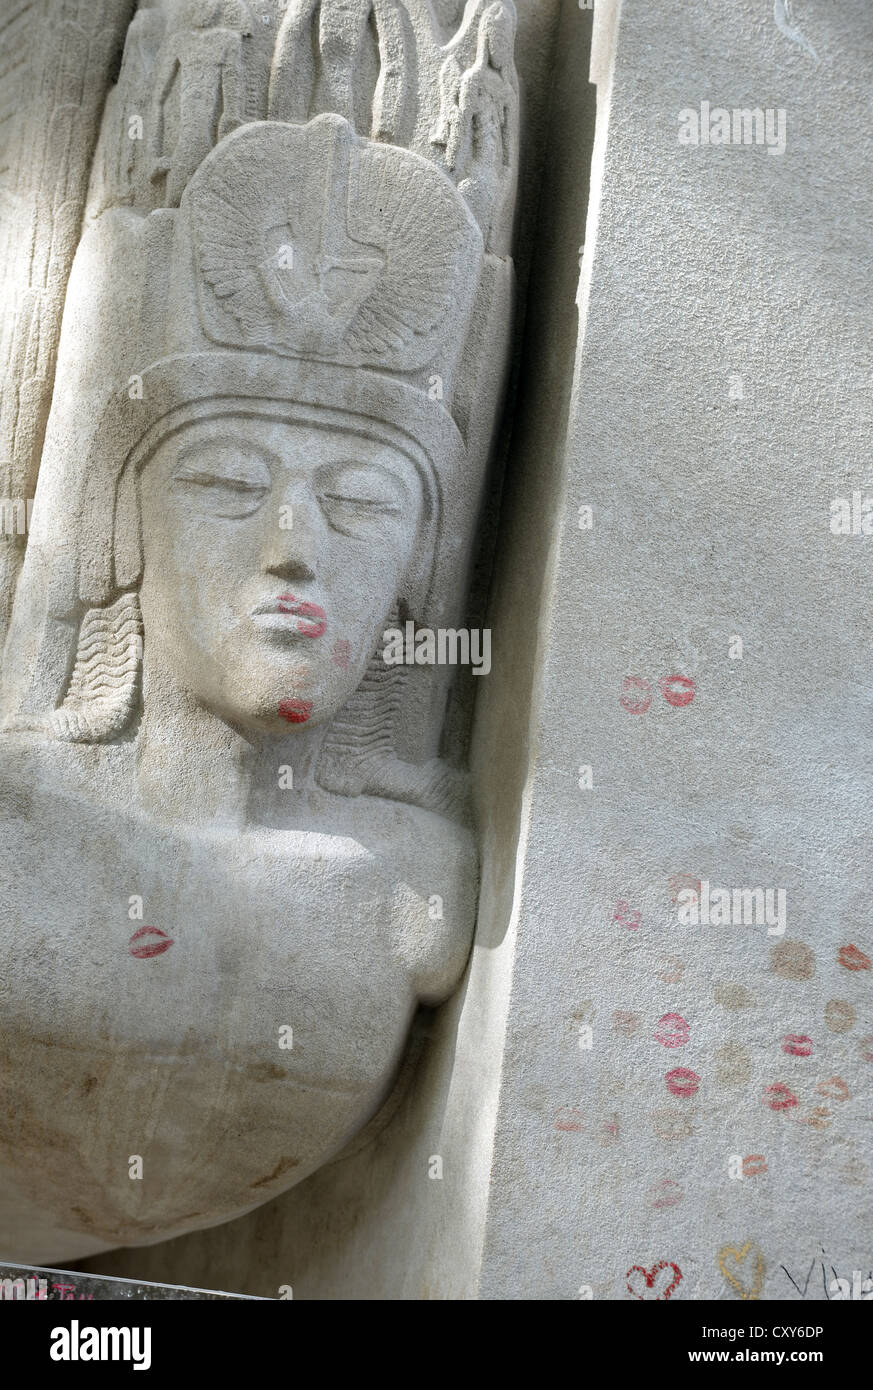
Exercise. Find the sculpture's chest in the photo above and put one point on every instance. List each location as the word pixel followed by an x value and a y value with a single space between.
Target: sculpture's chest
pixel 228 1011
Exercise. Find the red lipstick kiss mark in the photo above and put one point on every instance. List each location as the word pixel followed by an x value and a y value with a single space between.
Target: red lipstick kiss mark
pixel 797 1045
pixel 852 958
pixel 628 917
pixel 341 654
pixel 650 1275
pixel 289 604
pixel 666 1194
pixel 678 691
pixel 865 1047
pixel 672 1031
pixel 779 1097
pixel 295 711
pixel 636 695
pixel 152 942
pixel 682 1082
pixel 569 1121
pixel 754 1165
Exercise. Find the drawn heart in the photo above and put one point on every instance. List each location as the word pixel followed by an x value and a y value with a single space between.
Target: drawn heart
pixel 650 1275
pixel 728 1256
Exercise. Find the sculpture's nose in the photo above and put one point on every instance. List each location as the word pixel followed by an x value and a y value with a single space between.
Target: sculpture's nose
pixel 293 542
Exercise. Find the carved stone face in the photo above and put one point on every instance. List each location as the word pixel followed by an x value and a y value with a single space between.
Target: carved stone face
pixel 273 555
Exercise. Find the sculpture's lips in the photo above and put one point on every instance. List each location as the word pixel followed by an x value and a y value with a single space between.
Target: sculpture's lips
pixel 148 942
pixel 287 613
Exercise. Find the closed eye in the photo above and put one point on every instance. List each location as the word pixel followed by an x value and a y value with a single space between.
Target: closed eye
pixel 242 485
pixel 372 503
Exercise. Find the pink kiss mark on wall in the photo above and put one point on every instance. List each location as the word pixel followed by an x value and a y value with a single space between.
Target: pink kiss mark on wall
pixel 678 691
pixel 681 1081
pixel 779 1097
pixel 636 695
pixel 797 1045
pixel 149 942
pixel 628 917
pixel 672 1031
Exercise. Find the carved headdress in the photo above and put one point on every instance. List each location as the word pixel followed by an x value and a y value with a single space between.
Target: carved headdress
pixel 305 218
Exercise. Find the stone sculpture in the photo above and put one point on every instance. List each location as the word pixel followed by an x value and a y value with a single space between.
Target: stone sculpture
pixel 239 843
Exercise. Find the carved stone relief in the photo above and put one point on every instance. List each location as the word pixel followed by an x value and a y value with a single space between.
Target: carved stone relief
pixel 231 824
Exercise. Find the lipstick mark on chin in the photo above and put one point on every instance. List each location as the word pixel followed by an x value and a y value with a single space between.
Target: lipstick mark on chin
pixel 299 608
pixel 295 711
pixel 148 942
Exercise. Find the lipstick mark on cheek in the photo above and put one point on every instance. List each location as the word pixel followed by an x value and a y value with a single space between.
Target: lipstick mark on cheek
pixel 295 711
pixel 341 653
pixel 149 942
